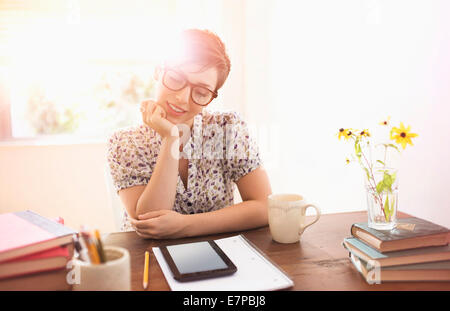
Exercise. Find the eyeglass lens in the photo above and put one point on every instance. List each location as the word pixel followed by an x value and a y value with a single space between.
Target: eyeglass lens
pixel 176 82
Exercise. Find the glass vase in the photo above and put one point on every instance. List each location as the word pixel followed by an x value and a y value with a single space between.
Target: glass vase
pixel 382 198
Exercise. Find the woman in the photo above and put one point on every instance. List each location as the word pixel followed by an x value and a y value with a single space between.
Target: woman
pixel 175 174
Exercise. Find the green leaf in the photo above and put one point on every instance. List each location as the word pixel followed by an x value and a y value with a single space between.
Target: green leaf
pixel 393 146
pixel 357 148
pixel 388 180
pixel 381 162
pixel 367 173
pixel 386 183
pixel 387 208
pixel 380 187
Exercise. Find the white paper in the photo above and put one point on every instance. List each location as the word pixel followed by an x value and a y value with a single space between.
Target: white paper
pixel 254 272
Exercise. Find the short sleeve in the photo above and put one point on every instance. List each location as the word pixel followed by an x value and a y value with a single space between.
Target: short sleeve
pixel 130 162
pixel 242 152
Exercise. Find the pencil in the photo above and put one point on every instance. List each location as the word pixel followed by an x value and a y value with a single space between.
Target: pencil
pixel 101 252
pixel 93 254
pixel 145 282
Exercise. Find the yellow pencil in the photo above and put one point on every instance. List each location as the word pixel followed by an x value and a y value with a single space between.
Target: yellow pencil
pixel 145 282
pixel 93 254
pixel 95 257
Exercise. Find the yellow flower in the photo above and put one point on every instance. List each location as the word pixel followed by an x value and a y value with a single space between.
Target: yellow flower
pixel 364 133
pixel 385 122
pixel 346 133
pixel 402 135
pixel 347 160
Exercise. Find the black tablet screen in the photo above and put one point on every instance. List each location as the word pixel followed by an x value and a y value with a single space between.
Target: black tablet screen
pixel 195 257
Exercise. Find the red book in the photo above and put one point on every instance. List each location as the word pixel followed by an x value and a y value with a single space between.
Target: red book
pixel 55 258
pixel 24 233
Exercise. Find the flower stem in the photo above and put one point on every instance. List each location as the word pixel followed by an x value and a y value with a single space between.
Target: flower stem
pixel 373 187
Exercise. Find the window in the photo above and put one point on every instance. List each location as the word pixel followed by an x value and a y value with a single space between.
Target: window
pixel 81 67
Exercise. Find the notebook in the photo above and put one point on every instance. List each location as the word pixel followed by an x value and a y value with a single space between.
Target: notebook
pixel 255 272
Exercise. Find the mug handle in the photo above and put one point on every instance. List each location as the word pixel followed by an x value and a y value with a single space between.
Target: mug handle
pixel 302 228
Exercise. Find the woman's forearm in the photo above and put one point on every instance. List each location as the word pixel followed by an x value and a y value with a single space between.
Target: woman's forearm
pixel 246 215
pixel 161 189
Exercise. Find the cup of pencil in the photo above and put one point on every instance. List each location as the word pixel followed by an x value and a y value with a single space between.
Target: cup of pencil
pixel 97 267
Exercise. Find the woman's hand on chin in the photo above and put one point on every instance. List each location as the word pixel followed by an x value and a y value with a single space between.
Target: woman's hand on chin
pixel 154 116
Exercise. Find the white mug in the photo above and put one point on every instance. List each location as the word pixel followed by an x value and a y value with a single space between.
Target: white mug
pixel 287 217
pixel 113 275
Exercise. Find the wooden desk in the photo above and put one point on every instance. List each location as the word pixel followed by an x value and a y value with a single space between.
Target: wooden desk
pixel 318 262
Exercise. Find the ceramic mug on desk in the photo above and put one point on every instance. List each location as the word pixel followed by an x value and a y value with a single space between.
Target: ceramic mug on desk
pixel 113 275
pixel 287 217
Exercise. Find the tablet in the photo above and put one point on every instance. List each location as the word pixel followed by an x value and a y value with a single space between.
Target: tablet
pixel 198 260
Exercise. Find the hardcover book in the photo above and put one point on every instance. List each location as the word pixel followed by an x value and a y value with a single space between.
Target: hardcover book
pixel 55 280
pixel 52 259
pixel 410 256
pixel 27 232
pixel 410 233
pixel 431 271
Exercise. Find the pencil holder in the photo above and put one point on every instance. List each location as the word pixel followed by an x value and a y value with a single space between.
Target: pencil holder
pixel 113 275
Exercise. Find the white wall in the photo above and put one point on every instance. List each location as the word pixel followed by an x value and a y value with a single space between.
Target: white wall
pixel 350 64
pixel 57 180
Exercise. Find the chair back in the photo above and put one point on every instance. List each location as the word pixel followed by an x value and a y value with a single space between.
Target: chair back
pixel 113 199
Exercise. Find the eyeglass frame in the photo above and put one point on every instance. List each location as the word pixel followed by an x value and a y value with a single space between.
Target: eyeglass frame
pixel 187 82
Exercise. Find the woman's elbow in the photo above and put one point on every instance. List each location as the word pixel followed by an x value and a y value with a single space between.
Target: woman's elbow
pixel 140 209
pixel 143 208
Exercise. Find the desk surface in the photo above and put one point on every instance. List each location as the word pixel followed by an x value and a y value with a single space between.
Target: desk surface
pixel 318 262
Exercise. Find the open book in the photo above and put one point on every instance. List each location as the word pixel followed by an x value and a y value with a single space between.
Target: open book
pixel 255 272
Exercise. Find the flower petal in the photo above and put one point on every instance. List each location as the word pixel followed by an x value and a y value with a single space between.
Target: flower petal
pixel 403 143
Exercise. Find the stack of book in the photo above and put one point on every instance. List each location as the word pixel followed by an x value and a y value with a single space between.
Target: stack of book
pixel 34 252
pixel 416 250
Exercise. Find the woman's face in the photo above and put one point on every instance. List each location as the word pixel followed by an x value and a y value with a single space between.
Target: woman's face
pixel 181 100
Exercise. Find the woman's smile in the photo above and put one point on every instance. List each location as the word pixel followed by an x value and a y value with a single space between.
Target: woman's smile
pixel 174 110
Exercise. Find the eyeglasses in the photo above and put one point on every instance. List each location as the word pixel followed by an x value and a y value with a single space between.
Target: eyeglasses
pixel 175 81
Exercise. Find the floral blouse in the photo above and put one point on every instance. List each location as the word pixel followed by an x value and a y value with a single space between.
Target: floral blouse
pixel 219 150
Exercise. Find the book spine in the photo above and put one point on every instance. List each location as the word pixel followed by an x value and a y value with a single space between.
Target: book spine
pixel 48 225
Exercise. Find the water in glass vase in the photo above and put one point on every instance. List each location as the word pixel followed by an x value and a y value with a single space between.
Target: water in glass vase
pixel 382 209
